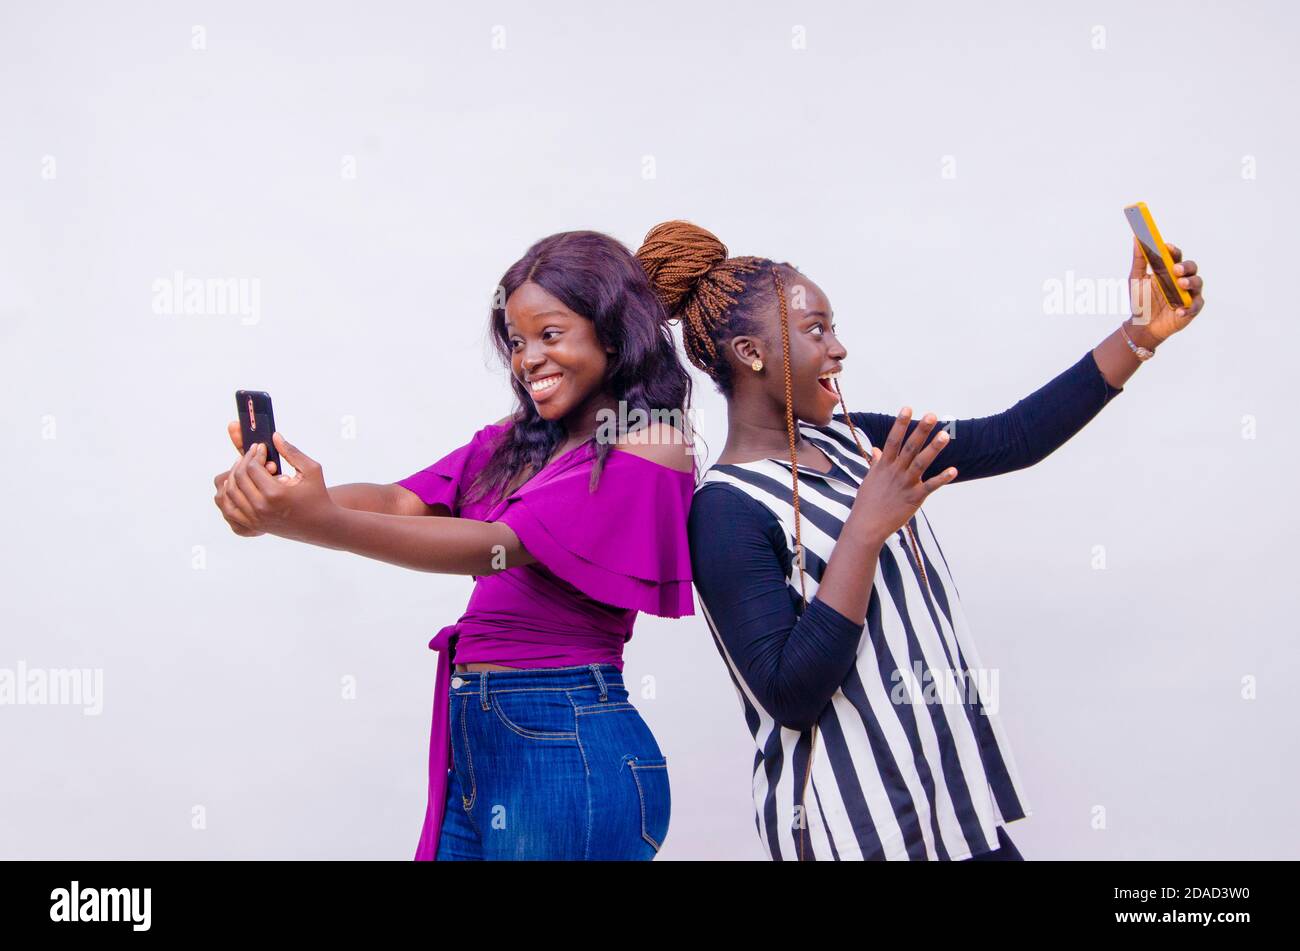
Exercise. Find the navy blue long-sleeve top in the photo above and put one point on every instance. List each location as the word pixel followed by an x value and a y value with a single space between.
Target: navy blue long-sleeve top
pixel 792 661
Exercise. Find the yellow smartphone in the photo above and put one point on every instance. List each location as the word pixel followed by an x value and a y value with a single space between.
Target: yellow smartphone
pixel 1157 255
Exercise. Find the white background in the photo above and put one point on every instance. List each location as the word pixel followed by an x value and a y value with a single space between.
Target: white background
pixel 1122 688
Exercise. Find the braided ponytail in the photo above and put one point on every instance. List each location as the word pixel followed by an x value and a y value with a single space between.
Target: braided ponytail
pixel 699 285
pixel 789 429
pixel 798 537
pixel 709 294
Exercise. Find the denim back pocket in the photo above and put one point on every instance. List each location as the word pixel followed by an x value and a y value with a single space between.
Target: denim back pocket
pixel 654 796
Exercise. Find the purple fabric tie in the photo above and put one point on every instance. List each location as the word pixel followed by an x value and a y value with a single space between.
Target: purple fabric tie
pixel 439 748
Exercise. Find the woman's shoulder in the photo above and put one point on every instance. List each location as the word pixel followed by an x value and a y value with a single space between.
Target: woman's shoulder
pixel 731 472
pixel 660 443
pixel 722 504
pixel 621 540
pixel 725 519
pixel 725 497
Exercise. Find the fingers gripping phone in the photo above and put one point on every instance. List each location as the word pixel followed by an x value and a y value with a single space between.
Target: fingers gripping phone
pixel 1157 255
pixel 257 423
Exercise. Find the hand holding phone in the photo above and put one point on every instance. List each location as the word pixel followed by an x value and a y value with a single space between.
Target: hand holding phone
pixel 1180 298
pixel 237 440
pixel 255 502
pixel 1157 253
pixel 235 430
pixel 256 424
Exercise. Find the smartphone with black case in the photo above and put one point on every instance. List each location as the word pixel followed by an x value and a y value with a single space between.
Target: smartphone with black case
pixel 257 423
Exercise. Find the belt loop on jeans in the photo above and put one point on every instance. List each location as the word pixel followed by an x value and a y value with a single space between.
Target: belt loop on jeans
pixel 600 681
pixel 482 689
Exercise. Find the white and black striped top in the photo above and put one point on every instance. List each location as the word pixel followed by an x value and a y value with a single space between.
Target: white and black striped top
pixel 900 768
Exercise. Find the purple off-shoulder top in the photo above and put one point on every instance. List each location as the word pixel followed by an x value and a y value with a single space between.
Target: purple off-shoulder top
pixel 601 557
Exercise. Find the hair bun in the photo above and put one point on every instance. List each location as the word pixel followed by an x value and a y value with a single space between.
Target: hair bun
pixel 676 255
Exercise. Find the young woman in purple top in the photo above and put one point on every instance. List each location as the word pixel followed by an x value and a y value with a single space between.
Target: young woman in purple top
pixel 571 515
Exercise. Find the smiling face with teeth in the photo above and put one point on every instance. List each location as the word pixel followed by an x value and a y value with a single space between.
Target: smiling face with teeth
pixel 816 354
pixel 555 355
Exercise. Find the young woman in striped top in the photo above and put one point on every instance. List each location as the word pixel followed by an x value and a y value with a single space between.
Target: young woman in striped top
pixel 828 598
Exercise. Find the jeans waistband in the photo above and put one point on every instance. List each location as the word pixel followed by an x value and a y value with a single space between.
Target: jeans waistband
pixel 600 677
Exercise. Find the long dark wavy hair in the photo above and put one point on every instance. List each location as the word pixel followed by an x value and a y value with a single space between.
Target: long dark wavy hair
pixel 597 277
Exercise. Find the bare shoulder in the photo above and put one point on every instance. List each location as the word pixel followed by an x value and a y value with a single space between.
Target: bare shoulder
pixel 661 443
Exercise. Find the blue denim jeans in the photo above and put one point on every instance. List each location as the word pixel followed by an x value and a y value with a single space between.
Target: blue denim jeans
pixel 551 764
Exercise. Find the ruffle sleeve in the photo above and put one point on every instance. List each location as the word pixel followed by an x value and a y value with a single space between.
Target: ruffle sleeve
pixel 443 482
pixel 624 544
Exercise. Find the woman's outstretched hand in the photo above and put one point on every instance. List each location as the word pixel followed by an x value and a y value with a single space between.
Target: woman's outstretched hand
pixel 237 439
pixel 219 480
pixel 892 489
pixel 1165 319
pixel 255 502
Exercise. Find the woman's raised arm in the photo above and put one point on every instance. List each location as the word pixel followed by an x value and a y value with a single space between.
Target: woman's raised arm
pixel 1044 420
pixel 302 508
pixel 391 499
pixel 1018 437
